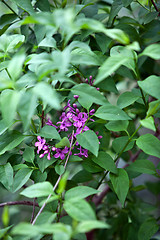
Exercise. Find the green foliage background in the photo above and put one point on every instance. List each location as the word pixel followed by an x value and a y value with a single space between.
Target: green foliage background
pixel 47 50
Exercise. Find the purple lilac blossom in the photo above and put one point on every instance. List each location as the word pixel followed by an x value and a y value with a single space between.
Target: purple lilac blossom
pixel 40 144
pixel 60 152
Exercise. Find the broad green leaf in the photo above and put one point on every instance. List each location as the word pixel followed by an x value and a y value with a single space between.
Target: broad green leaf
pixel 110 66
pixel 4 126
pixel 3 231
pixel 46 217
pixel 83 91
pixel 115 8
pixel 6 175
pixel 80 192
pixel 26 107
pixel 125 53
pixel 82 56
pixel 59 169
pixel 89 140
pixel 15 65
pixel 91 166
pixel 63 143
pixel 25 229
pixel 25 5
pixel 148 123
pixel 153 108
pixel 10 140
pixel 148 228
pixel 47 94
pixel 126 99
pixel 111 112
pixel 151 85
pixel 48 42
pixel 142 166
pixel 152 51
pixel 79 210
pixel 9 42
pixel 43 5
pixel 119 143
pixel 29 154
pixel 116 126
pixel 87 226
pixel 118 35
pixel 108 84
pixel 43 162
pixel 120 184
pixel 38 190
pixel 21 178
pixel 49 132
pixel 10 97
pixel 105 161
pixel 33 230
pixel 149 144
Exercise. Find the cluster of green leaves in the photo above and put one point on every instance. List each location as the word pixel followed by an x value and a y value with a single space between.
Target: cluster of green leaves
pixel 47 50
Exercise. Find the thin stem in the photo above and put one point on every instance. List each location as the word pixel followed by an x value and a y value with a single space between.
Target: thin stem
pixel 155 7
pixel 28 203
pixel 142 5
pixel 34 202
pixel 56 184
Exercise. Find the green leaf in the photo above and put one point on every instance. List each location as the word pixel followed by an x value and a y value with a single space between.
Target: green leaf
pixel 105 161
pixel 6 175
pixel 111 112
pixel 149 144
pixel 89 140
pixel 49 132
pixel 43 163
pixel 109 66
pixel 9 110
pixel 25 5
pixel 148 229
pixel 59 169
pixel 108 85
pixel 10 140
pixel 21 178
pixel 115 8
pixel 48 42
pixel 153 108
pixel 126 99
pixel 15 65
pixel 151 85
pixel 119 143
pixel 9 42
pixel 38 190
pixel 120 184
pixel 142 166
pixel 47 94
pixel 87 226
pixel 125 53
pixel 79 210
pixel 117 126
pixel 4 126
pixel 63 143
pixel 29 154
pixel 80 192
pixel 26 107
pixel 83 91
pixel 148 123
pixel 82 56
pixel 152 51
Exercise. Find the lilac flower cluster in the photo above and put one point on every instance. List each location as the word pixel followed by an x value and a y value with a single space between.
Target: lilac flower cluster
pixel 71 118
